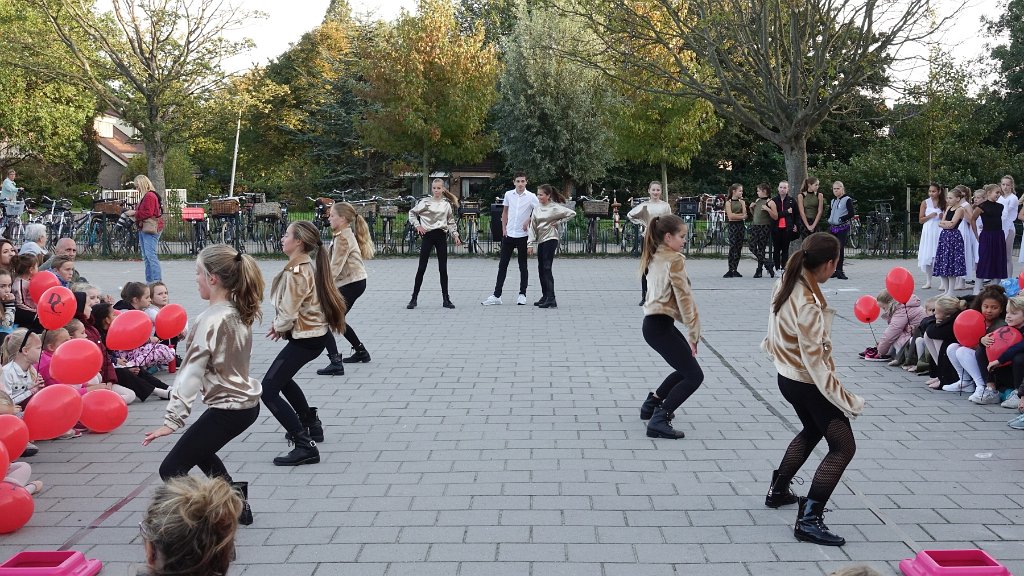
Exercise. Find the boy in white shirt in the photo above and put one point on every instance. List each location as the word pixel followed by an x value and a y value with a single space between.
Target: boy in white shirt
pixel 517 207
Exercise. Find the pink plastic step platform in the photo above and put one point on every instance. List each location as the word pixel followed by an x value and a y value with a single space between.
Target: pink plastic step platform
pixel 50 563
pixel 951 563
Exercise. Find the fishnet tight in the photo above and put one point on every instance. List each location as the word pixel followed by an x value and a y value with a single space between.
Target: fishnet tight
pixel 841 449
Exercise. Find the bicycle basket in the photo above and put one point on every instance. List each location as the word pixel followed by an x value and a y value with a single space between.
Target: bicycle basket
pixel 193 214
pixel 107 208
pixel 597 208
pixel 267 210
pixel 225 207
pixel 389 211
pixel 366 209
pixel 14 208
pixel 470 207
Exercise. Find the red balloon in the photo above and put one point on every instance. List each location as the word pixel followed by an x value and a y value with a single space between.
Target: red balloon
pixel 76 362
pixel 103 410
pixel 13 436
pixel 900 284
pixel 129 330
pixel 1004 338
pixel 969 327
pixel 5 461
pixel 56 308
pixel 52 411
pixel 1020 280
pixel 42 282
pixel 16 507
pixel 866 309
pixel 170 321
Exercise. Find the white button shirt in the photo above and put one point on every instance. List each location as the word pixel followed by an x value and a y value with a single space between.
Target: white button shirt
pixel 1010 204
pixel 520 207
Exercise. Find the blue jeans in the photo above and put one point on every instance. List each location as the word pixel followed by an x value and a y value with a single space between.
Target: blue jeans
pixel 148 245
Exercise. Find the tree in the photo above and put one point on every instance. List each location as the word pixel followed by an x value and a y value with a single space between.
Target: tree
pixel 428 88
pixel 152 61
pixel 554 116
pixel 1010 57
pixel 776 67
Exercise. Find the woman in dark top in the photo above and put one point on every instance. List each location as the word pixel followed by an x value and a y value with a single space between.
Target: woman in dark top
pixel 992 241
pixel 810 202
pixel 784 227
pixel 735 215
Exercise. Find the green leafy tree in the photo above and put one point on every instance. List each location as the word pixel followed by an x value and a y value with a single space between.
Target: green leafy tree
pixel 1009 55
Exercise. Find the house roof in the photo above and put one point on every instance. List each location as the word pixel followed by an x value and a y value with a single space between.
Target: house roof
pixel 120 147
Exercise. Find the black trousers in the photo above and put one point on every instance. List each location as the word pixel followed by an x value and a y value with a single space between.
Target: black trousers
pixel 509 244
pixel 760 237
pixel 737 232
pixel 199 444
pixel 433 239
pixel 280 380
pixel 661 334
pixel 1002 376
pixel 780 246
pixel 843 237
pixel 350 292
pixel 545 260
pixel 142 383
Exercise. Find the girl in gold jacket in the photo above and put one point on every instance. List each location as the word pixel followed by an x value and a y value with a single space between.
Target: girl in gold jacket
pixel 543 237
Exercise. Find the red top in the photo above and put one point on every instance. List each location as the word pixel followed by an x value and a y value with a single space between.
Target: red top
pixel 149 207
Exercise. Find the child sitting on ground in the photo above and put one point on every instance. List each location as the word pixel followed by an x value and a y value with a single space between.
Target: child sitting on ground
pixel 6 302
pixel 18 472
pixel 991 302
pixel 135 296
pixel 900 319
pixel 20 351
pixel 160 297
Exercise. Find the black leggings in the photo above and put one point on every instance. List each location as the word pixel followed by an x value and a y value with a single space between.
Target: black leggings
pixel 508 244
pixel 142 383
pixel 759 239
pixel 843 236
pixel 280 380
pixel 439 239
pixel 821 419
pixel 661 334
pixel 545 260
pixel 199 445
pixel 780 246
pixel 350 292
pixel 736 231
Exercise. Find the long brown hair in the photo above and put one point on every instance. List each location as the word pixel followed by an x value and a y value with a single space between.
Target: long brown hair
pixel 362 230
pixel 551 192
pixel 656 230
pixel 452 198
pixel 815 250
pixel 240 276
pixel 331 301
pixel 808 182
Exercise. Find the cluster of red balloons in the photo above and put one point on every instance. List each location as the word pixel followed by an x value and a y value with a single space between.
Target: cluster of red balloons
pixel 55 304
pixel 16 505
pixel 133 328
pixel 899 282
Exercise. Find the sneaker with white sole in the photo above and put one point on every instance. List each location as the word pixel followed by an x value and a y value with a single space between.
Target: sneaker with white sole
pixel 1017 423
pixel 978 393
pixel 492 300
pixel 958 386
pixel 521 300
pixel 989 397
pixel 1012 401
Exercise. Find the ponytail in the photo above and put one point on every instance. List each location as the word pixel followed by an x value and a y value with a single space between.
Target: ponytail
pixel 452 198
pixel 331 301
pixel 656 230
pixel 552 192
pixel 239 274
pixel 363 238
pixel 816 250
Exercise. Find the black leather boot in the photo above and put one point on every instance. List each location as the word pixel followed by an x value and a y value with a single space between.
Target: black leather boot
pixel 314 427
pixel 304 452
pixel 359 354
pixel 541 301
pixel 335 368
pixel 411 304
pixel 647 408
pixel 810 524
pixel 549 303
pixel 245 518
pixel 660 426
pixel 779 493
pixel 448 303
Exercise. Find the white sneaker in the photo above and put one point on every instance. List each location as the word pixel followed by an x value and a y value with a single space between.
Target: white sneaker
pixel 958 386
pixel 978 393
pixel 1012 402
pixel 492 300
pixel 989 397
pixel 521 300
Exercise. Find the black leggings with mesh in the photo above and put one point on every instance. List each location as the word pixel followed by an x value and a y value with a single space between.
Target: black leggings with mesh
pixel 433 239
pixel 350 292
pixel 821 419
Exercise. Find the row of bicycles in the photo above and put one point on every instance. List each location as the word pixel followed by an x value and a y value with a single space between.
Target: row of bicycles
pixel 105 229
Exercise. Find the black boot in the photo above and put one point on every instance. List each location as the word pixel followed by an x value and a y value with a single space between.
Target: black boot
pixel 643 298
pixel 304 452
pixel 335 368
pixel 660 426
pixel 542 300
pixel 647 408
pixel 411 304
pixel 771 271
pixel 448 303
pixel 359 354
pixel 810 524
pixel 245 518
pixel 757 273
pixel 779 493
pixel 314 427
pixel 549 303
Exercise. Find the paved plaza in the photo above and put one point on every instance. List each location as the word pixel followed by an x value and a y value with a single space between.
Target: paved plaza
pixel 506 440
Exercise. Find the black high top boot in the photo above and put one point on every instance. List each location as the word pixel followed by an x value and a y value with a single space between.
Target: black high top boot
pixel 304 452
pixel 245 518
pixel 810 524
pixel 779 493
pixel 447 302
pixel 314 427
pixel 359 354
pixel 660 426
pixel 647 408
pixel 335 368
pixel 412 303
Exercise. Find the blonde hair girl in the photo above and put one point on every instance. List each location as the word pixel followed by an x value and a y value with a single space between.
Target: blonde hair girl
pixel 218 350
pixel 348 250
pixel 434 219
pixel 950 258
pixel 149 217
pixel 641 216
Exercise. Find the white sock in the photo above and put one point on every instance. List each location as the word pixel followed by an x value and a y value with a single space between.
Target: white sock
pixel 161 393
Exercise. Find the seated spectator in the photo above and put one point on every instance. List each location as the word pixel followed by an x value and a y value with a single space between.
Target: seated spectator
pixel 35 239
pixel 128 375
pixel 190 526
pixel 916 356
pixel 19 378
pixel 901 320
pixel 7 253
pixel 135 296
pixel 65 247
pixel 63 269
pixel 937 339
pixel 6 301
pixel 76 329
pixel 991 302
pixel 25 267
pixel 19 472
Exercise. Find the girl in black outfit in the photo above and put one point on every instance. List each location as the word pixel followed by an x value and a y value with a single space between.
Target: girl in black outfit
pixel 784 227
pixel 434 218
pixel 735 215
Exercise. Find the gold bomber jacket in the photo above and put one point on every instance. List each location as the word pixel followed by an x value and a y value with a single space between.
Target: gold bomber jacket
pixel 645 212
pixel 346 259
pixel 545 220
pixel 434 215
pixel 669 291
pixel 216 365
pixel 799 342
pixel 296 302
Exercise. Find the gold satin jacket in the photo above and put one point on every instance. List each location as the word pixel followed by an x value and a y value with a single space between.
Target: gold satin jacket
pixel 296 303
pixel 669 291
pixel 434 215
pixel 545 220
pixel 216 365
pixel 645 212
pixel 799 342
pixel 346 259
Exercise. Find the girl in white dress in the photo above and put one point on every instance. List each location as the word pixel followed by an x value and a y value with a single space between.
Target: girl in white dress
pixel 931 212
pixel 969 230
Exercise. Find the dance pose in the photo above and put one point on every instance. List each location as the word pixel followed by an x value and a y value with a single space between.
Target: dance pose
pixel 641 215
pixel 543 235
pixel 784 215
pixel 735 215
pixel 216 365
pixel 307 307
pixel 799 343
pixel 810 202
pixel 347 253
pixel 670 298
pixel 434 219
pixel 839 216
pixel 763 210
pixel 929 215
pixel 517 207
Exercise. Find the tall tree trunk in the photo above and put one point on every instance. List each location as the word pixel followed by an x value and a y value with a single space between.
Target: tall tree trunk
pixel 794 150
pixel 426 172
pixel 156 154
pixel 664 180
